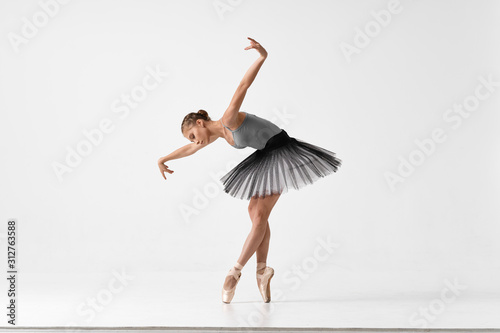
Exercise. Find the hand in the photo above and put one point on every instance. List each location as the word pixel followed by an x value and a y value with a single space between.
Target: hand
pixel 164 168
pixel 257 46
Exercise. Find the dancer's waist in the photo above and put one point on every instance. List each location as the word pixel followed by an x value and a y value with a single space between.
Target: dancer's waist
pixel 277 141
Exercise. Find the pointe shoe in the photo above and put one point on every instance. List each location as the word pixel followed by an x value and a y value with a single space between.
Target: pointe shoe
pixel 227 295
pixel 265 281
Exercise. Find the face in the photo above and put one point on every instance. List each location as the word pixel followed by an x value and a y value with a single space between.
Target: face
pixel 198 134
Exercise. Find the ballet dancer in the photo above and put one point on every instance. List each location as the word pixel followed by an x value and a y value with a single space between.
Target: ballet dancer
pixel 279 162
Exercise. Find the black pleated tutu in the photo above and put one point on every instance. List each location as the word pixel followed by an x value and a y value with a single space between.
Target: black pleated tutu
pixel 282 164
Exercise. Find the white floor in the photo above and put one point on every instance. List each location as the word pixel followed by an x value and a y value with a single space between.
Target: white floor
pixel 194 300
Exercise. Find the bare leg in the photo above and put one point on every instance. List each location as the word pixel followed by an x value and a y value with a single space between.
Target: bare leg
pixel 259 210
pixel 263 248
pixel 262 251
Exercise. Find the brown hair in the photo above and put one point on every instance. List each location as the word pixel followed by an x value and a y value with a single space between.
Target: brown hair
pixel 191 118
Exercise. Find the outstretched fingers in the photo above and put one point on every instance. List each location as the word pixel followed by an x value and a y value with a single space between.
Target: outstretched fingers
pixel 253 44
pixel 163 169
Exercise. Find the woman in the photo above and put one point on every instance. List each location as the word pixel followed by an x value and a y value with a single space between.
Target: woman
pixel 279 162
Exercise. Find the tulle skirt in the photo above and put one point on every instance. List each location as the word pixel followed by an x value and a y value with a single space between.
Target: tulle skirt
pixel 282 164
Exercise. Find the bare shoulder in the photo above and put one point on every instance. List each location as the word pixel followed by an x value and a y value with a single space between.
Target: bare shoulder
pixel 233 121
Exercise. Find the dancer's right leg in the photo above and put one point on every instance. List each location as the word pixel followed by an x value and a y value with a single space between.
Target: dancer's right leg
pixel 259 210
pixel 263 248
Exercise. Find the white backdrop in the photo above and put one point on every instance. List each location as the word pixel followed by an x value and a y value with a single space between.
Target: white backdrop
pixel 406 93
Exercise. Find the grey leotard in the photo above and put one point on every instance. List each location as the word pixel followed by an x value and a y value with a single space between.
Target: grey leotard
pixel 253 132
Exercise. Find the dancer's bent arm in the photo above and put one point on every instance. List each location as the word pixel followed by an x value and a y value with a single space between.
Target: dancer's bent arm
pixel 184 151
pixel 231 115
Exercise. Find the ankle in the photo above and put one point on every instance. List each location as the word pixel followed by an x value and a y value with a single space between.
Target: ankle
pixel 238 267
pixel 261 266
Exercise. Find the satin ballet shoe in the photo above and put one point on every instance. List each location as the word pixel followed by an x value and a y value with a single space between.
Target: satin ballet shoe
pixel 265 281
pixel 227 295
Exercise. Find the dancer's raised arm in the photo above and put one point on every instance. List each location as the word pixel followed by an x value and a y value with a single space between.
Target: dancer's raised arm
pixel 231 114
pixel 254 69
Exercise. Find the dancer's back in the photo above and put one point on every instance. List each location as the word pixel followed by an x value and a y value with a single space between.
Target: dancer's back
pixel 253 132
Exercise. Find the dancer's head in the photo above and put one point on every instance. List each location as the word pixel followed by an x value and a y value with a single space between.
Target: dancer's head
pixel 194 127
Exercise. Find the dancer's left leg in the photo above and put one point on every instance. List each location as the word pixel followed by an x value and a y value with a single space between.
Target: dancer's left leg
pixel 259 210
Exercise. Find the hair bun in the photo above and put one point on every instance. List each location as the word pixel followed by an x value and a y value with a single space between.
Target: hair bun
pixel 204 114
